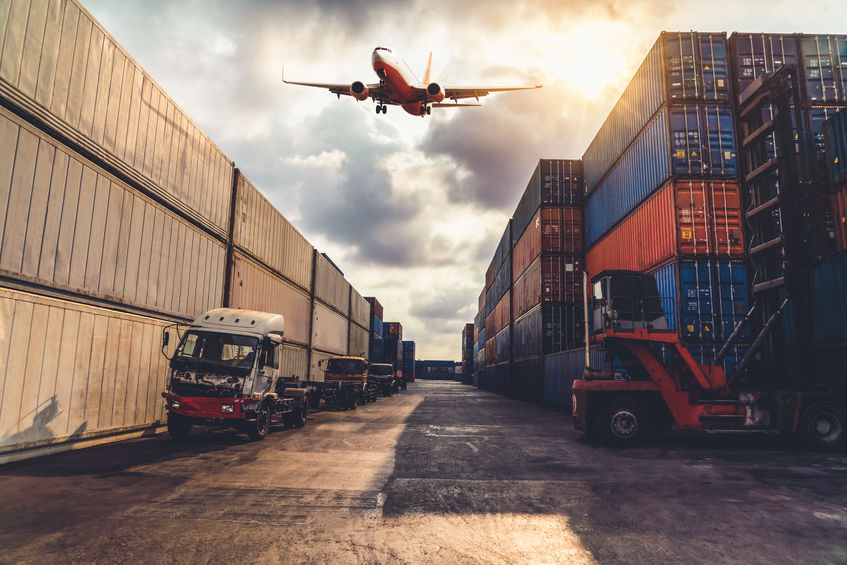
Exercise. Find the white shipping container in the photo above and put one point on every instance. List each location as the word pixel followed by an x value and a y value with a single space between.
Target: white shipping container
pixel 294 362
pixel 71 371
pixel 256 288
pixel 66 223
pixel 59 65
pixel 329 330
pixel 358 341
pixel 360 310
pixel 263 232
pixel 330 286
pixel 316 373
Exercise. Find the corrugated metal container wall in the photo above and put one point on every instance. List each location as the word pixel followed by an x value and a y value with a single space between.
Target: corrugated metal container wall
pixel 490 273
pixel 502 313
pixel 481 338
pixel 547 329
pixel 560 371
pixel 67 224
pixel 527 379
pixel 330 286
pixel 376 307
pixel 74 371
pixel 835 142
pixel 358 341
pixel 555 182
pixel 263 232
pixel 504 248
pixel 839 213
pixel 491 348
pixel 501 283
pixel 329 331
pixel 377 349
pixel 822 63
pixel 503 345
pixel 317 373
pixel 491 324
pixel 376 326
pixel 707 298
pixel 684 218
pixel 688 140
pixel 502 378
pixel 294 362
pixel 255 288
pixel 679 67
pixel 59 65
pixel 552 230
pixel 550 278
pixel 360 310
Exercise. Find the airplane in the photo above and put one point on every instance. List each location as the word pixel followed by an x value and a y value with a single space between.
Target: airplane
pixel 398 86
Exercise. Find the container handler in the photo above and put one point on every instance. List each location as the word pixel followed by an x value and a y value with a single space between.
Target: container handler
pixel 657 385
pixel 225 372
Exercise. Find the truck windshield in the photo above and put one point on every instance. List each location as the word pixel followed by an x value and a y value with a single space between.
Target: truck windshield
pixel 345 366
pixel 381 370
pixel 216 349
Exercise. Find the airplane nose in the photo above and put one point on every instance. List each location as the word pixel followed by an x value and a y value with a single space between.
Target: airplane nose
pixel 376 57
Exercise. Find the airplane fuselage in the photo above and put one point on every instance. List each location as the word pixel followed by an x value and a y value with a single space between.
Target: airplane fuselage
pixel 399 81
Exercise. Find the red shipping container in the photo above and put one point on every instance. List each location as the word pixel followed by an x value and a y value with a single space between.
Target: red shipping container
pixel 502 313
pixel 481 302
pixel 490 275
pixel 393 328
pixel 490 356
pixel 685 218
pixel 550 278
pixel 553 229
pixel 839 217
pixel 376 307
pixel 489 326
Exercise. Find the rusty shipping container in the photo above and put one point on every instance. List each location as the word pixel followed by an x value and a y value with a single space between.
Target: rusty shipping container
pixel 256 288
pixel 491 356
pixel 376 308
pixel 329 330
pixel 67 224
pixel 490 324
pixel 502 312
pixel 331 288
pixel 490 273
pixel 553 230
pixel 74 371
pixel 59 66
pixel 260 230
pixel 392 329
pixel 358 345
pixel 360 310
pixel 549 279
pixel 555 182
pixel 685 218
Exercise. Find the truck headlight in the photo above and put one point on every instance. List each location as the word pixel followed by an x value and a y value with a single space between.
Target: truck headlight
pixel 174 403
pixel 227 408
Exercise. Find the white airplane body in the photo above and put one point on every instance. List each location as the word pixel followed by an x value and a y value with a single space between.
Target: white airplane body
pixel 399 86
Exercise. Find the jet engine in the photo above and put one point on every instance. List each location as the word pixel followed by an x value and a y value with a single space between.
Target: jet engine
pixel 435 92
pixel 359 91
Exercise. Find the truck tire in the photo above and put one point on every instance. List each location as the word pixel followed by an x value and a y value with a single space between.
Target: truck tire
pixel 822 426
pixel 624 421
pixel 179 426
pixel 258 428
pixel 302 412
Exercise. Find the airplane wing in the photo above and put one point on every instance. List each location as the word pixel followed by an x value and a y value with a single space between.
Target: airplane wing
pixel 374 90
pixel 457 93
pixel 453 105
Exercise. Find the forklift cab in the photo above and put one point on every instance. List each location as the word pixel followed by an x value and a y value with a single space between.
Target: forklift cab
pixel 625 301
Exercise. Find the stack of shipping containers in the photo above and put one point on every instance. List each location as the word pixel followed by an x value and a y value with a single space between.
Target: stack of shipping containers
pixel 663 193
pixel 497 323
pixel 392 346
pixel 119 216
pixel 375 349
pixel 835 134
pixel 467 353
pixel 409 361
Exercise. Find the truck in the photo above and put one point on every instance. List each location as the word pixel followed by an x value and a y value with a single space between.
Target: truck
pixel 225 372
pixel 383 378
pixel 345 383
pixel 652 383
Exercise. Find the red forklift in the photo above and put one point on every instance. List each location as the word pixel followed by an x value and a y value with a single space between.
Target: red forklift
pixel 652 383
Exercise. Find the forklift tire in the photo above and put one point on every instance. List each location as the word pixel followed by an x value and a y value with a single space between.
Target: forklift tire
pixel 623 421
pixel 179 426
pixel 822 426
pixel 258 428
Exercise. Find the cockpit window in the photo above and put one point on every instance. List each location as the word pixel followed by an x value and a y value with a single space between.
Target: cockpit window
pixel 383 49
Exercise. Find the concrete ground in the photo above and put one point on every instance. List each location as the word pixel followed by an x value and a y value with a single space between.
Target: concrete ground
pixel 442 473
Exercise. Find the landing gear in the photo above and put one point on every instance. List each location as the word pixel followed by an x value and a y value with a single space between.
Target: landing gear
pixel 381 108
pixel 428 110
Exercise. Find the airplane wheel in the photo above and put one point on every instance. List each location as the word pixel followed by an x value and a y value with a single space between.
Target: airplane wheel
pixel 428 110
pixel 378 108
pixel 384 109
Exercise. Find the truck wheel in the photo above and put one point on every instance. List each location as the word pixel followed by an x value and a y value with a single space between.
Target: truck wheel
pixel 624 421
pixel 258 428
pixel 822 426
pixel 179 426
pixel 302 413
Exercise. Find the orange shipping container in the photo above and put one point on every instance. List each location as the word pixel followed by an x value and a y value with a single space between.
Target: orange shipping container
pixel 502 313
pixel 685 218
pixel 489 325
pixel 490 357
pixel 550 278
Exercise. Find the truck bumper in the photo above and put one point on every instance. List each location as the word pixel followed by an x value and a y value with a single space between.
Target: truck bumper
pixel 204 408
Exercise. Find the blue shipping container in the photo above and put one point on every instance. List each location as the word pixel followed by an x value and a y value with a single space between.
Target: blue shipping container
pixel 527 380
pixel 555 182
pixel 679 67
pixel 688 141
pixel 504 247
pixel 376 325
pixel 548 328
pixel 560 371
pixel 503 344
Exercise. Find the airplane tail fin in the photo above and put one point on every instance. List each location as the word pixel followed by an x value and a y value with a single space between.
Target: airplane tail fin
pixel 428 68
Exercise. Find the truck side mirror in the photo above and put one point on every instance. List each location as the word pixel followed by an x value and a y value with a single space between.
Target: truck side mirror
pixel 166 337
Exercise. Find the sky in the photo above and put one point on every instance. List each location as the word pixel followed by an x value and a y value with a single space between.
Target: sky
pixel 411 209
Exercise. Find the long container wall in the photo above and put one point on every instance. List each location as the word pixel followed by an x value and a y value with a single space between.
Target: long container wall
pixel 696 218
pixel 294 362
pixel 680 67
pixel 330 286
pixel 555 182
pixel 552 230
pixel 68 224
pixel 256 288
pixel 73 371
pixel 261 231
pixel 329 330
pixel 61 67
pixel 360 310
pixel 549 279
pixel 548 329
pixel 359 342
pixel 560 370
pixel 835 143
pixel 687 141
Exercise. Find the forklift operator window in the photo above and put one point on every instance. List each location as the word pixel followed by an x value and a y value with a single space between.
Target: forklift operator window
pixel 598 290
